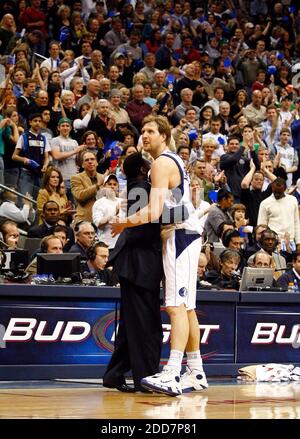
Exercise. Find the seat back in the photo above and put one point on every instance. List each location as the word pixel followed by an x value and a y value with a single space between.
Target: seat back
pixel 32 244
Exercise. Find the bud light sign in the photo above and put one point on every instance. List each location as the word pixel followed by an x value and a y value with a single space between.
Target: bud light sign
pixel 268 334
pixel 83 333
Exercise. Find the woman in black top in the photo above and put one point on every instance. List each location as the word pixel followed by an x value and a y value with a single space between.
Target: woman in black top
pixel 226 278
pixel 240 102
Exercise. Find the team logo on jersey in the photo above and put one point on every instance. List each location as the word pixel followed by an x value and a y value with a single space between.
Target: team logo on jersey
pixel 182 292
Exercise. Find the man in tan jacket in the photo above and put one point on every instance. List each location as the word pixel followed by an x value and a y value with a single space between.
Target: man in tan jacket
pixel 85 186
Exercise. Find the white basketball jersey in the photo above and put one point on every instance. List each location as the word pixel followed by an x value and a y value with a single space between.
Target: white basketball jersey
pixel 179 199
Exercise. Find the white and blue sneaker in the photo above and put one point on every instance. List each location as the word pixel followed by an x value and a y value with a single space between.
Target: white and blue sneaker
pixel 167 382
pixel 193 380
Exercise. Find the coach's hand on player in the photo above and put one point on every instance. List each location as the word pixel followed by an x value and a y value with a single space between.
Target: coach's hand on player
pixel 117 226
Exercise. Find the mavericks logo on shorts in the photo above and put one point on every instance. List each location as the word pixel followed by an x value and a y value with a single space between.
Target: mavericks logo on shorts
pixel 182 292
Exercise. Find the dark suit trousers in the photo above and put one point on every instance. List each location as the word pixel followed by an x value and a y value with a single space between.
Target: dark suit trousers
pixel 139 336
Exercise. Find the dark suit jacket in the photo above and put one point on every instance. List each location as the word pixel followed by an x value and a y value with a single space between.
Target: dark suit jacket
pixel 39 231
pixel 76 248
pixel 43 230
pixel 137 254
pixel 106 276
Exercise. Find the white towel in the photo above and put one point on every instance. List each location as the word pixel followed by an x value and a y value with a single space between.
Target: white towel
pixel 270 372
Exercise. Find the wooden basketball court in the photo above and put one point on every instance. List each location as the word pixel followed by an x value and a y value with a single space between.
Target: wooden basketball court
pixel 224 399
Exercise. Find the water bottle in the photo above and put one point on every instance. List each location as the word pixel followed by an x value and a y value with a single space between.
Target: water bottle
pixel 51 279
pixel 295 287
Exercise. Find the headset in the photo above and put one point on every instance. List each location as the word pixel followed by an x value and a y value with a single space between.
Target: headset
pixel 2 259
pixel 91 252
pixel 2 231
pixel 228 235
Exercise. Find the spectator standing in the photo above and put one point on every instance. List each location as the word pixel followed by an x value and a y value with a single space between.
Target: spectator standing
pixel 215 102
pixel 164 55
pixel 252 194
pixel 105 208
pixel 52 63
pixel 249 65
pixel 280 212
pixel 33 18
pixel 26 98
pixel 92 93
pixel 218 216
pixel 137 109
pixel 32 150
pixel 7 31
pixel 255 112
pixel 103 124
pixel 288 156
pixel 24 216
pixel 85 186
pixel 64 151
pixel 116 36
pixel 236 164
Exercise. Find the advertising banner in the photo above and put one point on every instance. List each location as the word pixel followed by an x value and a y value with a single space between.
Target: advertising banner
pixel 83 332
pixel 56 332
pixel 268 334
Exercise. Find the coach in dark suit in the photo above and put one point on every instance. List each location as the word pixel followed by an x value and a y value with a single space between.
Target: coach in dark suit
pixel 138 264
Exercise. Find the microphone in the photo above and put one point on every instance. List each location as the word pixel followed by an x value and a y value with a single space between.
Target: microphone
pixel 4 243
pixel 236 274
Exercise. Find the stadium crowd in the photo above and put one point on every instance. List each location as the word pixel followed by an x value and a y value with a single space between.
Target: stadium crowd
pixel 77 79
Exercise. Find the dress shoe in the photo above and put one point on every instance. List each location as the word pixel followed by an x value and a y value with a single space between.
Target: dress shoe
pixel 121 387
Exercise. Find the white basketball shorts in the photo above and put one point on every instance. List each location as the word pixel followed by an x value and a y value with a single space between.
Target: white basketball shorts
pixel 181 252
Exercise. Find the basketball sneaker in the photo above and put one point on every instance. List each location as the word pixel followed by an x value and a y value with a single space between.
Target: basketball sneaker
pixel 167 382
pixel 193 380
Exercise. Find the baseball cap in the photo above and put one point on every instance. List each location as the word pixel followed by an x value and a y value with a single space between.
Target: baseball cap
pixel 109 177
pixel 116 92
pixel 117 55
pixel 37 33
pixel 34 115
pixel 65 120
pixel 285 98
pixel 249 24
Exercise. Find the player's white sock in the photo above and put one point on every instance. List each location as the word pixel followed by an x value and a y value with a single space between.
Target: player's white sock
pixel 175 360
pixel 194 360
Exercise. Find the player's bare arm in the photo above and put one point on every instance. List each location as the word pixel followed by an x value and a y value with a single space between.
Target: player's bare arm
pixel 164 176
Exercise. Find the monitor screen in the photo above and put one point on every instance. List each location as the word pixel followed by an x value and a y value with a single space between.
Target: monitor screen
pixel 16 260
pixel 258 278
pixel 61 266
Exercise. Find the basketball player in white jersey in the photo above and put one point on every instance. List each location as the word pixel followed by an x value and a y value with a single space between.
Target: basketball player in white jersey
pixel 171 204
